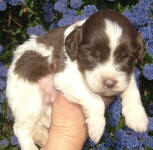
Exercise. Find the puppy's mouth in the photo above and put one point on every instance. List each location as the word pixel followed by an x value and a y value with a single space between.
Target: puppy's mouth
pixel 109 93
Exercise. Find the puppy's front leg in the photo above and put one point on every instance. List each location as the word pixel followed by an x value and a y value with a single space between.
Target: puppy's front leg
pixel 94 109
pixel 72 85
pixel 132 109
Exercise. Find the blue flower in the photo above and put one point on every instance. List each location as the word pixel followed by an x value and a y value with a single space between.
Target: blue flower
pixel 62 1
pixel 14 140
pixel 69 12
pixel 108 141
pixel 139 14
pixel 89 10
pixel 2 97
pixel 114 112
pixel 49 12
pixel 148 71
pixel 145 3
pixel 0 109
pixel 4 142
pixel 150 108
pixel 118 133
pixel 49 17
pixel 14 2
pixel 137 75
pixel 60 7
pixel 37 30
pixel 140 146
pixel 30 31
pixel 121 137
pixel 132 142
pixel 69 17
pixel 129 15
pixel 2 84
pixel 76 3
pixel 3 5
pixel 9 116
pixel 125 140
pixel 149 142
pixel 80 17
pixel 48 8
pixel 142 136
pixel 149 46
pixel 150 125
pixel 115 105
pixel 3 71
pixel 147 32
pixel 150 29
pixel 90 143
pixel 1 49
pixel 102 147
pixel 114 119
pixel 67 20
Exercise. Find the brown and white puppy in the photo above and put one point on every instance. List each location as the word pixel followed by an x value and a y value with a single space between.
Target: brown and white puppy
pixel 91 58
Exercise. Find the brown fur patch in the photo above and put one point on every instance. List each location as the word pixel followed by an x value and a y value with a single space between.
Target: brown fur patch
pixel 55 38
pixel 32 66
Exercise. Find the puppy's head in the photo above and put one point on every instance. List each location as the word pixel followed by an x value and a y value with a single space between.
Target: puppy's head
pixel 106 48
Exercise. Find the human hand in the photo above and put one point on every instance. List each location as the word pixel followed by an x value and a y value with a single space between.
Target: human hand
pixel 68 129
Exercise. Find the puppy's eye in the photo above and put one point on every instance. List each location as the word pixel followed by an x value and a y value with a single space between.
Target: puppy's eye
pixel 127 58
pixel 92 59
pixel 87 62
pixel 131 58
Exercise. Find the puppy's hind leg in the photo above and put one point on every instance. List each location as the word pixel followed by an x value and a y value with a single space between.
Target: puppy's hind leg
pixel 24 127
pixel 25 102
pixel 23 133
pixel 41 131
pixel 40 135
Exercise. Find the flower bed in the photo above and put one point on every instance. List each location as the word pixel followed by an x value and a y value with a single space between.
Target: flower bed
pixel 21 18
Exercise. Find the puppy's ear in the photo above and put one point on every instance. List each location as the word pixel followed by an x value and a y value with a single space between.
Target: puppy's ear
pixel 140 48
pixel 72 42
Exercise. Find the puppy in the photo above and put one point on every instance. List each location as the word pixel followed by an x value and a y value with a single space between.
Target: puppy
pixel 91 58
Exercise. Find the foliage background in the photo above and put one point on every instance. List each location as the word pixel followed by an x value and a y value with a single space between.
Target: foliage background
pixel 21 18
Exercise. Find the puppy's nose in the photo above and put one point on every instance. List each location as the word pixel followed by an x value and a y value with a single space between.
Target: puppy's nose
pixel 109 83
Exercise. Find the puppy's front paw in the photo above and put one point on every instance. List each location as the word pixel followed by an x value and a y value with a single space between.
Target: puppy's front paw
pixel 135 118
pixel 96 128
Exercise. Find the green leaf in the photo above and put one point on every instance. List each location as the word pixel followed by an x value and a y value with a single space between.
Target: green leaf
pixel 12 148
pixel 147 59
pixel 119 6
pixel 121 124
pixel 21 12
pixel 79 13
pixel 147 148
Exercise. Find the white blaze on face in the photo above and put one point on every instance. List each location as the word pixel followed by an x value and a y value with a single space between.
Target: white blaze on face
pixel 108 70
pixel 113 32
